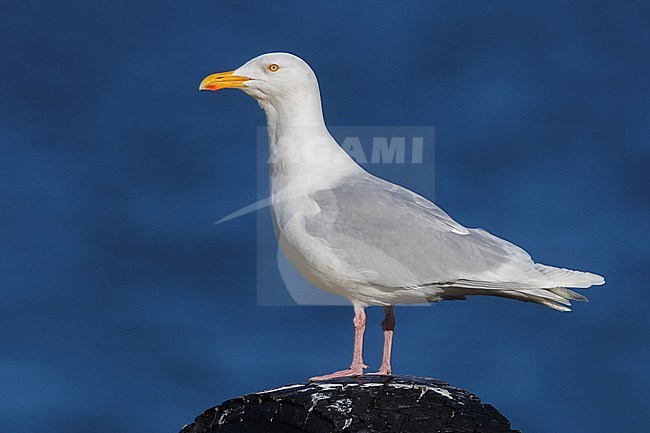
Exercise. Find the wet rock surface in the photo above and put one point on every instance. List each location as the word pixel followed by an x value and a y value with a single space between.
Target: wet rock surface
pixel 362 404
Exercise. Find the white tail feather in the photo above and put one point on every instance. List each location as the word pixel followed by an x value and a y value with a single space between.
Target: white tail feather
pixel 548 288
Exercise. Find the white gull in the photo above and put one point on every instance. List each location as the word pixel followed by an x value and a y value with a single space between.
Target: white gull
pixel 364 238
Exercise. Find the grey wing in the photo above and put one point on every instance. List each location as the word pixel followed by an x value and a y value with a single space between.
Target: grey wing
pixel 396 238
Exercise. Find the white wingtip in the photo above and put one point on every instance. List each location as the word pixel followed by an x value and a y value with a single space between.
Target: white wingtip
pixel 562 277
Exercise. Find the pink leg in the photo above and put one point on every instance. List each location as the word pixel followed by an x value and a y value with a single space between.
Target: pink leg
pixel 388 325
pixel 357 366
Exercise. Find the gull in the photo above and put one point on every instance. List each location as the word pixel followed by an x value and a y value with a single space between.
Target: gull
pixel 368 240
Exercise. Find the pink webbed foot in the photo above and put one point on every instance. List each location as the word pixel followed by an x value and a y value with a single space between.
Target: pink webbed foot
pixel 383 371
pixel 357 366
pixel 350 372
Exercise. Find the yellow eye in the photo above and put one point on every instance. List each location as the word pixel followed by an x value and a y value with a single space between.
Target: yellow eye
pixel 273 67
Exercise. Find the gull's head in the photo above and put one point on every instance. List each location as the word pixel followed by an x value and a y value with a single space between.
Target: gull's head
pixel 272 78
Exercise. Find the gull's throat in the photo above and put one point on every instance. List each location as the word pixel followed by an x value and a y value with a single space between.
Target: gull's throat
pixel 299 141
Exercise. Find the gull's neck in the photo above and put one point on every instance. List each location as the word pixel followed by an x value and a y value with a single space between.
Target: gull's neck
pixel 301 147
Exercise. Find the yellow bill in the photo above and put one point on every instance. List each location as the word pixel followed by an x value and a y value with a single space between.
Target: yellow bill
pixel 222 80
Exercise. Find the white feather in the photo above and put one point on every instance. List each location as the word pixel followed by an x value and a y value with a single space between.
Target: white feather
pixel 371 241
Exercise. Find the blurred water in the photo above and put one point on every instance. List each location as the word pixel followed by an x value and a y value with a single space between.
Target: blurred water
pixel 123 308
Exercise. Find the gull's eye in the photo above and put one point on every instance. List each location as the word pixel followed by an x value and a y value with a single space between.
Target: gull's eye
pixel 273 67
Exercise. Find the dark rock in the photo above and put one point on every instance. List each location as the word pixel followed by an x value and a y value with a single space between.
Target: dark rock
pixel 365 404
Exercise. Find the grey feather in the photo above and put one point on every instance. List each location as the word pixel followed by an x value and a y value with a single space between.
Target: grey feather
pixel 399 239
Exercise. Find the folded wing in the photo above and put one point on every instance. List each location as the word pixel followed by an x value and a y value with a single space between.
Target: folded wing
pixel 398 239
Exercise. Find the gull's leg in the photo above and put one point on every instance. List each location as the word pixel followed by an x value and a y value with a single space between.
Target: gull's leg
pixel 388 325
pixel 357 366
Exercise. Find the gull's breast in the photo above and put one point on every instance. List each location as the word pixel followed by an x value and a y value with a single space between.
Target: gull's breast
pixel 311 256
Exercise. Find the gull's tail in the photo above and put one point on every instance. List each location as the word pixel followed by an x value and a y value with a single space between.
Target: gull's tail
pixel 549 288
pixel 558 297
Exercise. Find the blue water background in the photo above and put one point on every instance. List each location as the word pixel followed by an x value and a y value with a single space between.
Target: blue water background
pixel 123 308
